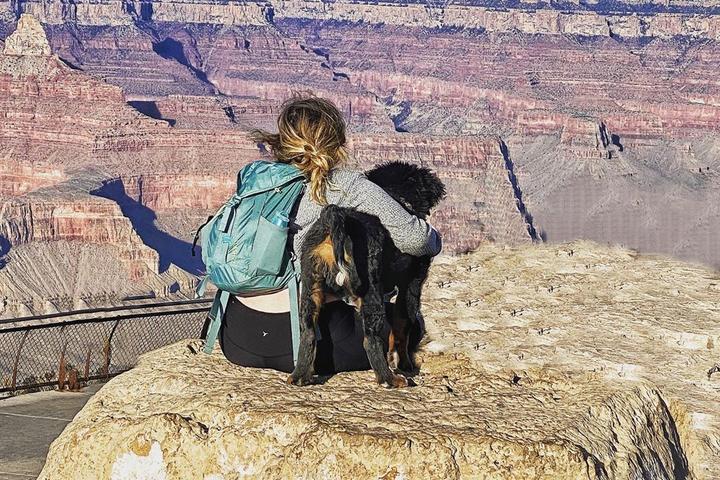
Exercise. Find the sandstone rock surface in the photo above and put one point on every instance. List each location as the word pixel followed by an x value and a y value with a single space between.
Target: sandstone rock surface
pixel 573 361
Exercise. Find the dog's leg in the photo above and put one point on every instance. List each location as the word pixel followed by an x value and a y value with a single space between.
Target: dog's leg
pixel 312 300
pixel 392 357
pixel 415 328
pixel 372 315
pixel 400 325
pixel 394 315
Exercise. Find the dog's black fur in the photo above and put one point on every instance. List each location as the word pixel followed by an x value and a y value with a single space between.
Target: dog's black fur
pixel 350 254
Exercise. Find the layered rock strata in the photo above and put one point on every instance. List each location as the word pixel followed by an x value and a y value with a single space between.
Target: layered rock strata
pixel 84 163
pixel 588 120
pixel 481 205
pixel 64 135
pixel 533 18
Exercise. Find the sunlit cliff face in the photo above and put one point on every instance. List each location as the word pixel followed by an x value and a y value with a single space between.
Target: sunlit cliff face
pixel 548 124
pixel 17 179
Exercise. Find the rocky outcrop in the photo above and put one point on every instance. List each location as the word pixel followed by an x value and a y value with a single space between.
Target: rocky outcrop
pixel 18 178
pixel 28 39
pixel 458 423
pixel 588 140
pixel 47 277
pixel 569 361
pixel 56 126
pixel 80 218
pixel 105 12
pixel 53 113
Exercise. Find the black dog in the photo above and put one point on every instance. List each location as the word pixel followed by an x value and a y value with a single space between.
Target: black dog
pixel 350 254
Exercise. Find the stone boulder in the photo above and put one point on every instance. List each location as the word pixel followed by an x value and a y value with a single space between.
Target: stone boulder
pixel 572 361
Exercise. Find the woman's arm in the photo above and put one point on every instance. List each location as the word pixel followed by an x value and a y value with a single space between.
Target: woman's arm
pixel 410 234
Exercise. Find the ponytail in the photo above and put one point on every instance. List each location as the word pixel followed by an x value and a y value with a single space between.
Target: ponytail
pixel 311 136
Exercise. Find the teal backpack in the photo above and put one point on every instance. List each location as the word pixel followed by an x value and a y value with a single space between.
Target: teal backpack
pixel 245 245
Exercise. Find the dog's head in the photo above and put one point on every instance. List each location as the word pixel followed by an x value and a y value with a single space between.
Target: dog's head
pixel 417 188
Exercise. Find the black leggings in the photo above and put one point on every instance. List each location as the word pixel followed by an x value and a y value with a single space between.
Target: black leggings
pixel 252 338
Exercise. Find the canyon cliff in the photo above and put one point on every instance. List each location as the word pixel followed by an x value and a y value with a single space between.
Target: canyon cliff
pixel 84 163
pixel 642 18
pixel 607 112
pixel 123 124
pixel 596 120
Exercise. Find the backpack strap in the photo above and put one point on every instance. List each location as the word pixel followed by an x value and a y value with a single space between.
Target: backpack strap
pixel 201 286
pixel 294 290
pixel 197 234
pixel 217 312
pixel 294 285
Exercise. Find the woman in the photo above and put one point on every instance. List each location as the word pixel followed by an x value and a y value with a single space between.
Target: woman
pixel 255 331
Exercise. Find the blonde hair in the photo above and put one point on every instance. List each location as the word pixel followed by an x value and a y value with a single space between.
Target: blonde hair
pixel 311 135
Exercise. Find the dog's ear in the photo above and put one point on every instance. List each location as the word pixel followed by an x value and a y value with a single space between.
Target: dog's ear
pixel 435 189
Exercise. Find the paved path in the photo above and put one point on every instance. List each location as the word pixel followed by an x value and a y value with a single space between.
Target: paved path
pixel 29 423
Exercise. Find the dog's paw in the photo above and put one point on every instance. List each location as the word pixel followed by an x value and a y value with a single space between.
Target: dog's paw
pixel 406 365
pixel 397 381
pixel 300 381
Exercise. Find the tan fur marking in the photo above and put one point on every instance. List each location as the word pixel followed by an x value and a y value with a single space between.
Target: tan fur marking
pixel 318 297
pixel 324 251
pixel 398 347
pixel 358 303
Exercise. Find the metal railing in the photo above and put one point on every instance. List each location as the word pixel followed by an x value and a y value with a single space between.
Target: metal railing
pixel 66 350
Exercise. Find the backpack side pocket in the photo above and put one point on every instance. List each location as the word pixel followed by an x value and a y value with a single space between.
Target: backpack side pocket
pixel 268 250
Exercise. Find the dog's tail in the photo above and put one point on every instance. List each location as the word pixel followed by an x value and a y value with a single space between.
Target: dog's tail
pixel 333 218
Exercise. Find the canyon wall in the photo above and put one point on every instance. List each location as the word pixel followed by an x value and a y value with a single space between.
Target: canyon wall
pixel 481 205
pixel 88 165
pixel 543 120
pixel 64 135
pixel 531 18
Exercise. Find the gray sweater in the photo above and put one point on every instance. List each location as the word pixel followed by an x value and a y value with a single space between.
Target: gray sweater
pixel 350 188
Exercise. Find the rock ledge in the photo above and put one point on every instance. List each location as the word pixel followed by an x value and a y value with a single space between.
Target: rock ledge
pixel 28 39
pixel 180 414
pixel 573 361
